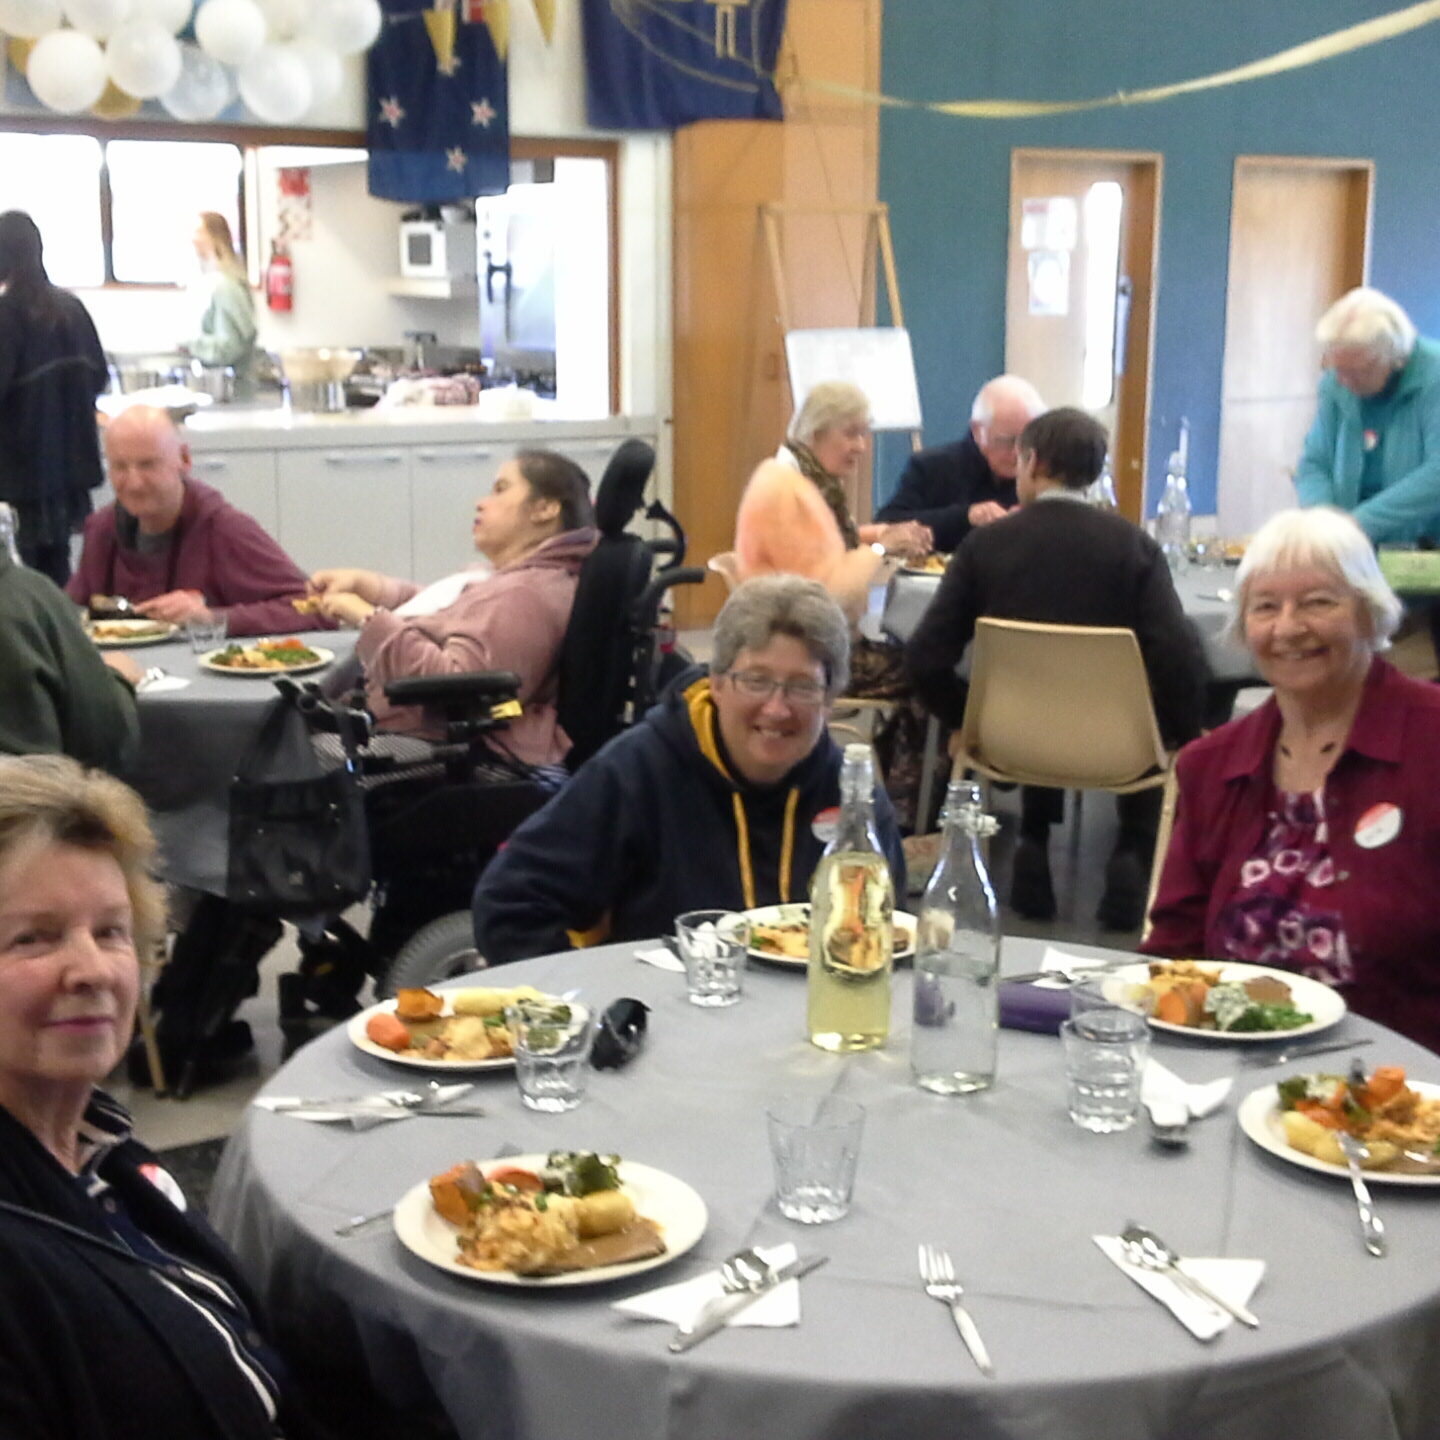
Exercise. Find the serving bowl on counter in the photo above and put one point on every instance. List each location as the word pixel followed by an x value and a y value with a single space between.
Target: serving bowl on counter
pixel 315 378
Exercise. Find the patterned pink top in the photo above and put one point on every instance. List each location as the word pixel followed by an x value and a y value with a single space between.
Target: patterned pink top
pixel 1279 914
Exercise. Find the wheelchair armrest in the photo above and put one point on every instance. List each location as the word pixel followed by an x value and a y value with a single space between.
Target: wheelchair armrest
pixel 482 687
pixel 647 603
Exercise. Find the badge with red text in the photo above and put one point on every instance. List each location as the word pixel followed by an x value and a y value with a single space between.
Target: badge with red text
pixel 1378 826
pixel 824 825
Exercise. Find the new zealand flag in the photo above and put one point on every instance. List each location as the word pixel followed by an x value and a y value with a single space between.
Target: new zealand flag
pixel 439 124
pixel 659 64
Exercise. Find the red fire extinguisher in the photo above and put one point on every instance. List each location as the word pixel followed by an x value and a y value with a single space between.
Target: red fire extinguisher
pixel 279 280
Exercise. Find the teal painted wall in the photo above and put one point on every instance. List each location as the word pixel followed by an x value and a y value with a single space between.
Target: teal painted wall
pixel 947 180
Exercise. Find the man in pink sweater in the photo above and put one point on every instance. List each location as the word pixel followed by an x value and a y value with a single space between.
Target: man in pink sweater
pixel 177 549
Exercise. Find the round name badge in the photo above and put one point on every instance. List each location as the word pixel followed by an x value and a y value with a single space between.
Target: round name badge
pixel 1378 826
pixel 824 825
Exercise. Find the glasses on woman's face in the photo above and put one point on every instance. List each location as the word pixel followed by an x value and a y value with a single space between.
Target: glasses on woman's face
pixel 760 686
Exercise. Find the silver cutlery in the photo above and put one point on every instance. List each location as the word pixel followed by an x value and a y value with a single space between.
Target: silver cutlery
pixel 719 1312
pixel 1300 1052
pixel 1174 1134
pixel 432 1101
pixel 938 1276
pixel 1147 1250
pixel 363 1222
pixel 151 675
pixel 1371 1229
pixel 1070 974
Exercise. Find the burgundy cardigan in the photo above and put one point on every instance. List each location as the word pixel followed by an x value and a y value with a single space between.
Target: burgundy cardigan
pixel 1389 896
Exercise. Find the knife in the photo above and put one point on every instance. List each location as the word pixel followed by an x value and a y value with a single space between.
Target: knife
pixel 721 1311
pixel 1073 974
pixel 1300 1052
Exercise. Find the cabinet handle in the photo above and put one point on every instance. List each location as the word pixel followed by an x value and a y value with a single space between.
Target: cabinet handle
pixel 477 452
pixel 354 457
pixel 208 463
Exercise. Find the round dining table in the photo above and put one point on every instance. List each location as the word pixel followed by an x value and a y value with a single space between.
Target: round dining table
pixel 1345 1349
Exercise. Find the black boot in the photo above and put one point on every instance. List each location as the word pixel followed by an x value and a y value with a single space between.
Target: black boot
pixel 1127 880
pixel 1032 896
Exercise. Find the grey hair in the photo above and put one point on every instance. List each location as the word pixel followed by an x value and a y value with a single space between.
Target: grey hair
pixel 831 402
pixel 772 605
pixel 1326 539
pixel 1371 320
pixel 982 412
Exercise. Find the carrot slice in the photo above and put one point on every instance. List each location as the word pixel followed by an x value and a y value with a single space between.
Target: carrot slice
pixel 388 1032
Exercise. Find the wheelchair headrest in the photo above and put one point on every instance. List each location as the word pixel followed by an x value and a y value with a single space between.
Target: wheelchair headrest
pixel 622 487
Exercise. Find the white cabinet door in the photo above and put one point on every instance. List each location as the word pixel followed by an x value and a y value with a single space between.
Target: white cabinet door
pixel 247 479
pixel 592 456
pixel 347 507
pixel 445 483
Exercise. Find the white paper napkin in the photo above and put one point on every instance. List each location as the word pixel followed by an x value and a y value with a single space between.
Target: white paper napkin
pixel 363 1111
pixel 160 684
pixel 1170 1100
pixel 1054 959
pixel 680 1304
pixel 661 959
pixel 1236 1280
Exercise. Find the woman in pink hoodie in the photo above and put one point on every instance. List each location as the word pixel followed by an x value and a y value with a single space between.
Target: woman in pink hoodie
pixel 535 528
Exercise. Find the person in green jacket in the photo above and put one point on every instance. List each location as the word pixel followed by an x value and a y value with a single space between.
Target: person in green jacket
pixel 1374 449
pixel 227 327
pixel 58 695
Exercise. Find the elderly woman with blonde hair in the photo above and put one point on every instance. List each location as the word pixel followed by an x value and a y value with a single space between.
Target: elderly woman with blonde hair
pixel 1374 448
pixel 1307 833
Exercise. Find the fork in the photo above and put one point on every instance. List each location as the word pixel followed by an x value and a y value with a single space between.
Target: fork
pixel 938 1276
pixel 1371 1228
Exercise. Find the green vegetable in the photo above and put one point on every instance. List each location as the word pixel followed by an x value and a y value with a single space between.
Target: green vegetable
pixel 1293 1090
pixel 1257 1018
pixel 580 1172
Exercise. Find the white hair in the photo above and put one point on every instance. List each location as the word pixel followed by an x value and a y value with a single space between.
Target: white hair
pixel 1372 321
pixel 1325 539
pixel 831 402
pixel 982 412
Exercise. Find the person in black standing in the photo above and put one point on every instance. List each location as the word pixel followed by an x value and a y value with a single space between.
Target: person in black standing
pixel 1060 561
pixel 51 370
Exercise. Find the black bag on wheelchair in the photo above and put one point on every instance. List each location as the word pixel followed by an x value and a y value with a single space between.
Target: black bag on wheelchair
pixel 298 842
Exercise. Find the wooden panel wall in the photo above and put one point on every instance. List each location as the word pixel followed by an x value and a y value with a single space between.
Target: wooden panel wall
pixel 731 400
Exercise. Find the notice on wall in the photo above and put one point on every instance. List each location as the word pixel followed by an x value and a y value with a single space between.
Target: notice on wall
pixel 1051 223
pixel 877 359
pixel 1048 273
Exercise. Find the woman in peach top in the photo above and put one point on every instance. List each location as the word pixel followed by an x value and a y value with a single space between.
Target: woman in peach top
pixel 795 519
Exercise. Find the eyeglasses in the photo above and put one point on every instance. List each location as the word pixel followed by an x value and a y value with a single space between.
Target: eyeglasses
pixel 760 686
pixel 1001 442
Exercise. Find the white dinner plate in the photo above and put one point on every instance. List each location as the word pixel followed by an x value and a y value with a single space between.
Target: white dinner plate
pixel 136 632
pixel 672 1204
pixel 800 910
pixel 1259 1115
pixel 355 1029
pixel 207 662
pixel 1326 1005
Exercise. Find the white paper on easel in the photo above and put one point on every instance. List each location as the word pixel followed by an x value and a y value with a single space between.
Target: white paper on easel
pixel 878 359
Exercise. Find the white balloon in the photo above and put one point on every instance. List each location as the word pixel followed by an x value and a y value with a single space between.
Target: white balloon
pixel 28 18
pixel 345 26
pixel 231 31
pixel 286 18
pixel 174 15
pixel 99 18
pixel 144 58
pixel 326 71
pixel 275 85
pixel 204 89
pixel 67 71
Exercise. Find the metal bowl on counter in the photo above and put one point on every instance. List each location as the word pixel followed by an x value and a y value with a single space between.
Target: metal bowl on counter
pixel 315 378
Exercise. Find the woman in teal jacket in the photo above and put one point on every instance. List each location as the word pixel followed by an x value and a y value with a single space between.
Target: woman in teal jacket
pixel 1374 448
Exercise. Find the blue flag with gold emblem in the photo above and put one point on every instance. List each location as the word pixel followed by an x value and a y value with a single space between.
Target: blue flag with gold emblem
pixel 659 64
pixel 439 123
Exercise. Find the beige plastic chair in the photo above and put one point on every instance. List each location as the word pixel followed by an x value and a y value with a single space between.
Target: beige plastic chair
pixel 1162 844
pixel 1065 706
pixel 726 567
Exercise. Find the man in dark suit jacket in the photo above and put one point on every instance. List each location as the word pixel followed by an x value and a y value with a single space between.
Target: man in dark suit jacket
pixel 1058 560
pixel 959 487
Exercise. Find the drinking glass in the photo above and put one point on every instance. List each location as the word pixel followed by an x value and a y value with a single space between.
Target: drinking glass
pixel 205 635
pixel 1105 992
pixel 552 1045
pixel 713 945
pixel 1105 1053
pixel 815 1149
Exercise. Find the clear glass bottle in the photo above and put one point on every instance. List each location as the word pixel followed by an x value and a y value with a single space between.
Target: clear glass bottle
pixel 957 958
pixel 852 936
pixel 1172 518
pixel 1102 492
pixel 9 533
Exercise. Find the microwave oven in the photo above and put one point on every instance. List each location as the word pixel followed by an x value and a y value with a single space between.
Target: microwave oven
pixel 437 249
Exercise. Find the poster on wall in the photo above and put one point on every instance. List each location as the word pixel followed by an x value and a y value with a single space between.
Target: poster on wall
pixel 877 359
pixel 1048 275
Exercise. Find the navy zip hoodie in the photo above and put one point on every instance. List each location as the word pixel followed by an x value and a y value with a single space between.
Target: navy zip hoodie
pixel 656 824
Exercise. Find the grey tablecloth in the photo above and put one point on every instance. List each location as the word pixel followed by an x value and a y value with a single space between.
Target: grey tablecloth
pixel 910 595
pixel 1346 1348
pixel 190 743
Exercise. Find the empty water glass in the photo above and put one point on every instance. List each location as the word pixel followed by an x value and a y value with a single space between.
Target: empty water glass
pixel 1105 1053
pixel 206 633
pixel 713 945
pixel 552 1045
pixel 815 1149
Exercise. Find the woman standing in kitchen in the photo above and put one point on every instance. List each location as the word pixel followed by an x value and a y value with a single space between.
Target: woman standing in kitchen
pixel 227 324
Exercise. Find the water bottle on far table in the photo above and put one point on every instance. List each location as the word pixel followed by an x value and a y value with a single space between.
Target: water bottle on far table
pixel 9 533
pixel 1101 493
pixel 1172 519
pixel 957 957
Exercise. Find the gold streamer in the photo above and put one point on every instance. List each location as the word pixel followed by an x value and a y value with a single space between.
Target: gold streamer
pixel 497 17
pixel 115 103
pixel 545 12
pixel 440 25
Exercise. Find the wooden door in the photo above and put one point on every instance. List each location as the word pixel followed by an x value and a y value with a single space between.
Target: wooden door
pixel 1299 239
pixel 1080 291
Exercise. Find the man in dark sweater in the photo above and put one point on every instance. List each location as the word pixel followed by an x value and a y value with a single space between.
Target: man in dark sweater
pixel 958 488
pixel 1058 560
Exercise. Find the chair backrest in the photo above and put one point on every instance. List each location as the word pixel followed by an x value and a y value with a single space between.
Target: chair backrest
pixel 726 567
pixel 1061 705
pixel 1162 845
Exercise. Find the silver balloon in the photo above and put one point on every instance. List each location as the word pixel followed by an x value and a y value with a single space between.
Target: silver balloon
pixel 204 89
